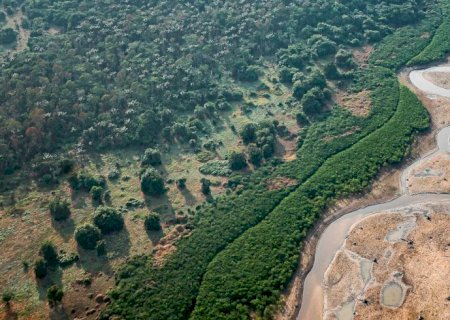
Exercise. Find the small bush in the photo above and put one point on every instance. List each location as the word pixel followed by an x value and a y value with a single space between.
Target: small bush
pixel 181 183
pixel 7 296
pixel 216 168
pixel 49 254
pixel 152 183
pixel 152 222
pixel 87 236
pixel 40 268
pixel 96 193
pixel 59 209
pixel 108 220
pixel 54 295
pixel 151 157
pixel 206 186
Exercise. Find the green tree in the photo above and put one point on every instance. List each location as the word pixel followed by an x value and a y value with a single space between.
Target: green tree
pixel 8 35
pixel 152 222
pixel 151 157
pixel 7 296
pixel 54 295
pixel 237 161
pixel 59 209
pixel 87 236
pixel 49 253
pixel 40 268
pixel 206 186
pixel 255 154
pixel 248 133
pixel 108 220
pixel 152 183
pixel 96 193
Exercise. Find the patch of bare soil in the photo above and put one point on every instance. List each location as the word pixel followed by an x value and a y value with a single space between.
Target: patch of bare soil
pixel 342 135
pixel 279 183
pixel 441 79
pixel 362 55
pixel 431 176
pixel 359 104
pixel 402 247
pixel 166 246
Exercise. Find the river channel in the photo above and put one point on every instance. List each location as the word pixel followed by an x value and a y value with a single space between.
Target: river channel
pixel 334 235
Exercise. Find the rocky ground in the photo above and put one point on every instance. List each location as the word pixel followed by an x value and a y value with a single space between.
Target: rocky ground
pixel 410 249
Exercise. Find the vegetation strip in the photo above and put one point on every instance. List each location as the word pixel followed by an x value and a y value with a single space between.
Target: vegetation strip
pixel 249 275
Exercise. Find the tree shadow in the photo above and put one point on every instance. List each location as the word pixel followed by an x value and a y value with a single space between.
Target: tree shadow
pixel 155 236
pixel 65 228
pixel 9 313
pixel 189 198
pixel 118 244
pixel 54 277
pixel 78 199
pixel 58 312
pixel 92 263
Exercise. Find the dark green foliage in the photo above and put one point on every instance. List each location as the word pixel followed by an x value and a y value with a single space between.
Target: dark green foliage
pixel 181 183
pixel 59 209
pixel 152 183
pixel 108 220
pixel 7 35
pixel 54 295
pixel 237 161
pixel 152 222
pixel 84 181
pixel 2 15
pixel 255 154
pixel 49 254
pixel 87 236
pixel 96 193
pixel 248 133
pixel 206 184
pixel 439 46
pixel 151 157
pixel 40 268
pixel 7 296
pixel 313 101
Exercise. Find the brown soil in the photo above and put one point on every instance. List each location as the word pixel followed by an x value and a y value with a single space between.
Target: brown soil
pixel 408 259
pixel 279 183
pixel 431 176
pixel 347 133
pixel 441 79
pixel 362 55
pixel 359 104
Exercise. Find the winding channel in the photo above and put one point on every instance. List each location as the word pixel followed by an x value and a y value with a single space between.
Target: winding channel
pixel 334 235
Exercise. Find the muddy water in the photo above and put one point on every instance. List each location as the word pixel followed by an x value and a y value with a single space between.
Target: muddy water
pixel 334 236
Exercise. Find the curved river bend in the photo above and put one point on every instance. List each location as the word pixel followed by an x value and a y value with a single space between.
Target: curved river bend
pixel 334 235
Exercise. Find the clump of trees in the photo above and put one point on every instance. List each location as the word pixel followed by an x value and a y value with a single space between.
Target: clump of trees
pixel 8 35
pixel 151 157
pixel 108 220
pixel 152 183
pixel 59 209
pixel 87 236
pixel 237 161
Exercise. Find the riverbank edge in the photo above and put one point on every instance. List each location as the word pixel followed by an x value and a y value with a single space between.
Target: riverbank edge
pixel 293 295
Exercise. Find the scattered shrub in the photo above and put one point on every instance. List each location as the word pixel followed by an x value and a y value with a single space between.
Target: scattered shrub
pixel 216 168
pixel 237 161
pixel 59 209
pixel 152 222
pixel 108 220
pixel 151 157
pixel 152 183
pixel 49 253
pixel 96 193
pixel 87 236
pixel 54 295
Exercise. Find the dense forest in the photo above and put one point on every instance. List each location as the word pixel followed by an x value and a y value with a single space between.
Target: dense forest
pixel 110 75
